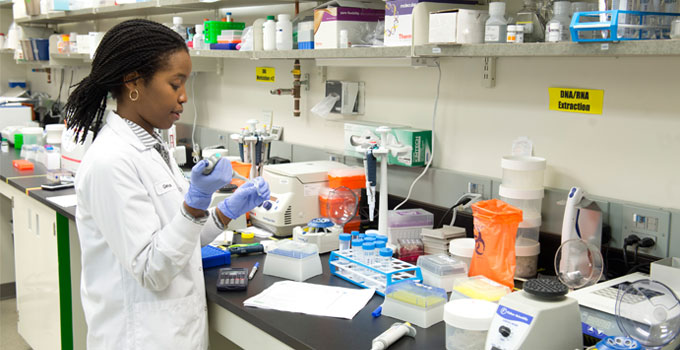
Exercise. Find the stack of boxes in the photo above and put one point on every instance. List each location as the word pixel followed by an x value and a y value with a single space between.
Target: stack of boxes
pixel 436 241
pixel 522 188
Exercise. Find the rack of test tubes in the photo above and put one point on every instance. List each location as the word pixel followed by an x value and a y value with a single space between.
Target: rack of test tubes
pixel 379 273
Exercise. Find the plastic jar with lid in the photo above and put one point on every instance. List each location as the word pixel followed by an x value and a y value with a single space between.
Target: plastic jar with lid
pixel 495 27
pixel 511 34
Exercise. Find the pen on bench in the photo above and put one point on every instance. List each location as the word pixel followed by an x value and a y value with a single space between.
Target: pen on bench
pixel 252 272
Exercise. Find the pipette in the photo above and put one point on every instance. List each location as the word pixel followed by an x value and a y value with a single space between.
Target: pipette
pixel 212 161
pixel 392 334
pixel 370 168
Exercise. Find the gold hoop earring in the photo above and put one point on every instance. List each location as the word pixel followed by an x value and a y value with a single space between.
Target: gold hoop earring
pixel 133 99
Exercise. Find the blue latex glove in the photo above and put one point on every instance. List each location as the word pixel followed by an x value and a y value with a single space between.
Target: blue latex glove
pixel 248 196
pixel 203 186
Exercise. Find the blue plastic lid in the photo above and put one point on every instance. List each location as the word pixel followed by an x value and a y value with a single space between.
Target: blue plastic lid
pixel 49 148
pixel 345 237
pixel 355 233
pixel 371 234
pixel 320 223
pixel 357 243
pixel 385 252
pixel 368 246
pixel 381 238
pixel 380 244
pixel 369 239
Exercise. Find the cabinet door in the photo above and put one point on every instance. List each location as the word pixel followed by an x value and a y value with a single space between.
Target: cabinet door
pixel 37 273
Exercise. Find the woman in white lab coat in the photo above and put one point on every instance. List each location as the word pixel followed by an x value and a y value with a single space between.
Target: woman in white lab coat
pixel 141 225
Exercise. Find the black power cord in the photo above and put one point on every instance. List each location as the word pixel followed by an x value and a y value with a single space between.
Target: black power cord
pixel 637 243
pixel 462 201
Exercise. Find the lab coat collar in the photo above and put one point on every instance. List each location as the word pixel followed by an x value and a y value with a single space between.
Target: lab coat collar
pixel 120 127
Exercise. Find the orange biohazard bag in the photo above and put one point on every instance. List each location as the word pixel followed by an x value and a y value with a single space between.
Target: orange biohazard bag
pixel 495 228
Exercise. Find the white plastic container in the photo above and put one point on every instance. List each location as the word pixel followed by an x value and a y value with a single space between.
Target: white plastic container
pixel 54 132
pixel 529 228
pixel 407 223
pixel 292 260
pixel 467 323
pixel 414 302
pixel 526 257
pixel 529 201
pixel 269 34
pixel 284 33
pixel 462 249
pixel 199 39
pixel 441 270
pixel 496 26
pixel 177 26
pixel 33 136
pixel 479 287
pixel 523 172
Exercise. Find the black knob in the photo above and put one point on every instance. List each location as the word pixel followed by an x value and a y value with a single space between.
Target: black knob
pixel 505 331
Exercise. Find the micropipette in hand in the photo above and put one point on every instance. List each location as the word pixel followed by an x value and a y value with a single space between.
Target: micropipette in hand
pixel 392 334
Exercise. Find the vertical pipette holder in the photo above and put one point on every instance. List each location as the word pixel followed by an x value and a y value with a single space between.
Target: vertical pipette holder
pixel 345 265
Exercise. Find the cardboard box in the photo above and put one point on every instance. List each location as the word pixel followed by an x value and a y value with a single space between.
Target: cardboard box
pixel 463 26
pixel 358 21
pixel 399 20
pixel 417 141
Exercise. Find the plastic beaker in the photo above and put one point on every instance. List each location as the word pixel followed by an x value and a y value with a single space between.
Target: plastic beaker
pixel 578 264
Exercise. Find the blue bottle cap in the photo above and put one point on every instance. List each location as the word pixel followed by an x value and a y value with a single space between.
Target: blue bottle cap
pixel 368 246
pixel 371 234
pixel 369 239
pixel 385 252
pixel 380 244
pixel 356 243
pixel 355 233
pixel 381 238
pixel 345 237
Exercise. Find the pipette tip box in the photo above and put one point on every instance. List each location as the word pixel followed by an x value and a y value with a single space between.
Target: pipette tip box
pixel 415 302
pixel 213 256
pixel 293 260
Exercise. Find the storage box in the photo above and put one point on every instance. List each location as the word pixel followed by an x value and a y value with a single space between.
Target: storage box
pixel 416 303
pixel 213 256
pixel 407 223
pixel 399 20
pixel 667 271
pixel 463 26
pixel 328 22
pixel 212 29
pixel 441 270
pixel 417 140
pixel 293 260
pixel 305 35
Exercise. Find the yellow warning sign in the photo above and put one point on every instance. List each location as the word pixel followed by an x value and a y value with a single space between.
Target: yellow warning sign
pixel 266 74
pixel 576 100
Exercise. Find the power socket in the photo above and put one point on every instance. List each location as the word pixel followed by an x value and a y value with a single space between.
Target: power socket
pixel 651 223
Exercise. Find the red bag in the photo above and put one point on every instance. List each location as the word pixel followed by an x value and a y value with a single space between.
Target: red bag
pixel 495 228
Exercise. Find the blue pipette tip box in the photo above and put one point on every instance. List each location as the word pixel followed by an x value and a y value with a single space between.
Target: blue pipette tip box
pixel 213 256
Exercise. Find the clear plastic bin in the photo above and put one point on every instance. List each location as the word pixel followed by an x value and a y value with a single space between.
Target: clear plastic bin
pixel 33 136
pixel 529 201
pixel 407 223
pixel 441 270
pixel 416 303
pixel 479 287
pixel 529 229
pixel 523 172
pixel 467 323
pixel 293 260
pixel 462 249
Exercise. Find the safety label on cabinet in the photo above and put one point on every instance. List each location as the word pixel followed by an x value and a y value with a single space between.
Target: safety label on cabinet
pixel 576 100
pixel 265 74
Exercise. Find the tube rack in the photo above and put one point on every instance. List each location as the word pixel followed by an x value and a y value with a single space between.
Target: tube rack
pixel 344 265
pixel 620 25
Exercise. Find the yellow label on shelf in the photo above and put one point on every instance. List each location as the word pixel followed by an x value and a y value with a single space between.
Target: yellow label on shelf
pixel 265 74
pixel 576 100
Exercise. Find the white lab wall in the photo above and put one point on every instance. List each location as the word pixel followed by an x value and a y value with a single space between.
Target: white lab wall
pixel 630 152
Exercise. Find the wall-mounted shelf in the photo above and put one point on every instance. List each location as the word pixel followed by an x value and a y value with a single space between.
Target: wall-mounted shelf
pixel 141 9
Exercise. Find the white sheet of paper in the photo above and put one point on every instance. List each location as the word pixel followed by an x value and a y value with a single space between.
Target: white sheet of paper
pixel 312 299
pixel 66 201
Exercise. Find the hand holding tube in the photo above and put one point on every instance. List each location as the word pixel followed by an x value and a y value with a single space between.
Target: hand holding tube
pixel 203 186
pixel 248 196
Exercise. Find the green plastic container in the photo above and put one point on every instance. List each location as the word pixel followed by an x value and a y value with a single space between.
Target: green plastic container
pixel 18 140
pixel 212 29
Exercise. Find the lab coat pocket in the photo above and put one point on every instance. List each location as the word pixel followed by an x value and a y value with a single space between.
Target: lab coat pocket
pixel 170 324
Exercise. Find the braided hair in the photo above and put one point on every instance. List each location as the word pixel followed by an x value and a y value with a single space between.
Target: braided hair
pixel 135 46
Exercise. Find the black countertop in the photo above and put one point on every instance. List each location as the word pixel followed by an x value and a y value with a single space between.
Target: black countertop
pixel 302 331
pixel 299 331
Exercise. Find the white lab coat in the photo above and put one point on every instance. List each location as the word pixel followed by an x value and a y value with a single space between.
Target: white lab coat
pixel 142 281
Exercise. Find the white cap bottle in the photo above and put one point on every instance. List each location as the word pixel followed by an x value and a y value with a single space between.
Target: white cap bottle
pixel 284 33
pixel 269 34
pixel 496 26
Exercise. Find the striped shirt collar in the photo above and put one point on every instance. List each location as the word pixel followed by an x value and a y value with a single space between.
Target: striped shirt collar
pixel 148 140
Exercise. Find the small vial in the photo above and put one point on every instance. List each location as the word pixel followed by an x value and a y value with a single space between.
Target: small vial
pixel 344 40
pixel 379 245
pixel 371 234
pixel 355 234
pixel 358 255
pixel 511 33
pixel 519 35
pixel 5 145
pixel 369 239
pixel 369 259
pixel 344 241
pixel 385 259
pixel 227 17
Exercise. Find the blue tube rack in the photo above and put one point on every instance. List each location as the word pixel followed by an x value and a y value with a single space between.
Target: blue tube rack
pixel 343 264
pixel 638 27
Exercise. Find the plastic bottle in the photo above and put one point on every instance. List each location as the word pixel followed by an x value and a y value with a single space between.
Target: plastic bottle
pixel 199 38
pixel 532 21
pixel 269 34
pixel 379 244
pixel 355 234
pixel 496 26
pixel 284 33
pixel 5 145
pixel 358 254
pixel 369 256
pixel 557 28
pixel 227 17
pixel 178 28
pixel 73 42
pixel 386 259
pixel 344 241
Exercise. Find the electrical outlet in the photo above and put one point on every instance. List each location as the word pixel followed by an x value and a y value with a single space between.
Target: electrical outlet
pixel 650 223
pixel 476 188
